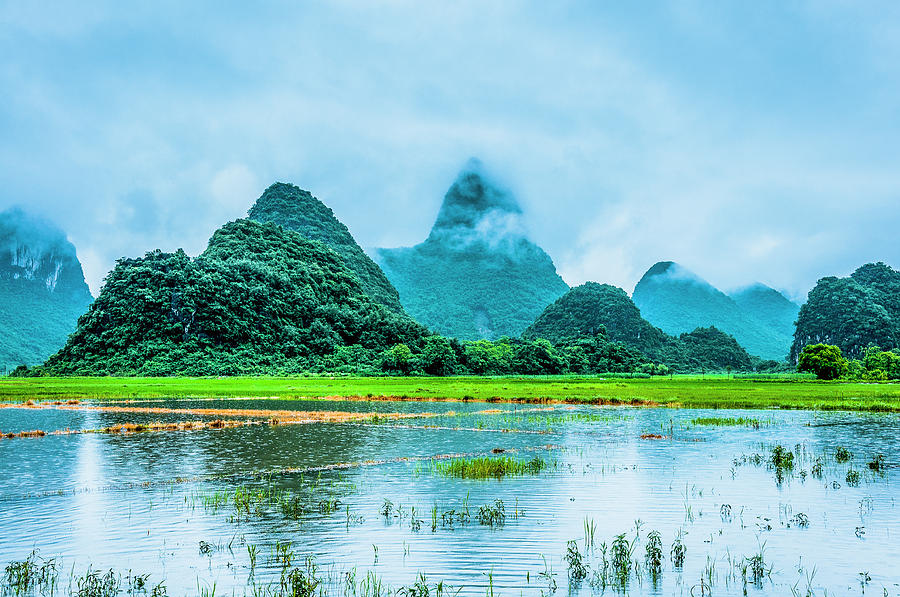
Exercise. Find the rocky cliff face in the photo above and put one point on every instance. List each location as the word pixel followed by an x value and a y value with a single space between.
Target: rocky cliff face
pixel 42 289
pixel 477 275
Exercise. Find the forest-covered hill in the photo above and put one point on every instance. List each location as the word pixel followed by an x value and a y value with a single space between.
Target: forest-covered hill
pixel 477 275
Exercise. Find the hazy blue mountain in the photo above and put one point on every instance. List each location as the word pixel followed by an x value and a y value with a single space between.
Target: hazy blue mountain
pixel 768 306
pixel 852 312
pixel 477 275
pixel 677 300
pixel 296 209
pixel 42 289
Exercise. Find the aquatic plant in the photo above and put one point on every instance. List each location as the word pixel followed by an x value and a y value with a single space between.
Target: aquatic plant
pixel 252 552
pixel 578 571
pixel 93 584
pixel 782 458
pixel 590 529
pixel 492 515
pixel 298 582
pixel 756 565
pixel 728 422
pixel 801 520
pixel 877 463
pixel 818 468
pixel 852 478
pixel 678 551
pixel 842 454
pixel 548 576
pixel 489 468
pixel 284 554
pixel 620 553
pixel 32 573
pixel 653 554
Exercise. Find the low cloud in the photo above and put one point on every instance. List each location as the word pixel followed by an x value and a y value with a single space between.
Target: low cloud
pixel 744 154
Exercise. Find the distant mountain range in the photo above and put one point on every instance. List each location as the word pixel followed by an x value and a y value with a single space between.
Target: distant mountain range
pixel 592 308
pixel 42 289
pixel 676 300
pixel 477 275
pixel 290 288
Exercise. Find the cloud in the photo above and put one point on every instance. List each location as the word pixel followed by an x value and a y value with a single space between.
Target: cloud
pixel 749 143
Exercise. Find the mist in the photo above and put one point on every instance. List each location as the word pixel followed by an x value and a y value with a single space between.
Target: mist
pixel 763 150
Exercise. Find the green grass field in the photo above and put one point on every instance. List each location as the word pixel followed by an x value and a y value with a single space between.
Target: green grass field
pixel 679 391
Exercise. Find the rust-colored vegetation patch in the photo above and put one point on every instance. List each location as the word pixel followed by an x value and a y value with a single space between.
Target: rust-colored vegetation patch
pixel 654 436
pixel 34 433
pixel 242 418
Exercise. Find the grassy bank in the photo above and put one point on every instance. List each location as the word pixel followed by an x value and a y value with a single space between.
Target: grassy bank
pixel 684 391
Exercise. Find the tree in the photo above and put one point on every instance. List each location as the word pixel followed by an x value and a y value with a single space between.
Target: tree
pixel 825 360
pixel 398 358
pixel 438 357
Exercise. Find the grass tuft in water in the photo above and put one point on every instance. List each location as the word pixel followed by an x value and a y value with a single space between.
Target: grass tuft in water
pixel 578 571
pixel 877 463
pixel 489 468
pixel 729 422
pixel 492 515
pixel 842 454
pixel 32 573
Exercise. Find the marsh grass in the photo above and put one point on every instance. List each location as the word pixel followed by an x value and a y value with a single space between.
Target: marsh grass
pixel 730 422
pixel 489 468
pixel 31 574
pixel 787 392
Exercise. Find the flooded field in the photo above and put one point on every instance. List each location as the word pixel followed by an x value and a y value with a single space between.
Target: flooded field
pixel 285 497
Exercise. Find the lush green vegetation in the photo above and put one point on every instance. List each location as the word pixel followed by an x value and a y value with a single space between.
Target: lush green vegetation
pixel 601 310
pixel 42 289
pixel 726 422
pixel 263 299
pixel 260 299
pixel 852 313
pixel 677 300
pixel 476 276
pixel 827 361
pixel 685 391
pixel 489 468
pixel 298 210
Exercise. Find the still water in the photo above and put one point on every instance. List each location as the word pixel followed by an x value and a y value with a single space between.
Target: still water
pixel 163 503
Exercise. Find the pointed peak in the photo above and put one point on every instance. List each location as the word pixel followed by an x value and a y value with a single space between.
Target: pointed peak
pixel 477 204
pixel 672 271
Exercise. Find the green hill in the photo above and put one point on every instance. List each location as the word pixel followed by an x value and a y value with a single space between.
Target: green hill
pixel 42 289
pixel 593 308
pixel 852 312
pixel 298 210
pixel 677 300
pixel 477 275
pixel 260 299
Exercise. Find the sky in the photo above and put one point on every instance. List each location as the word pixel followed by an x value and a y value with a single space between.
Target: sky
pixel 748 141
